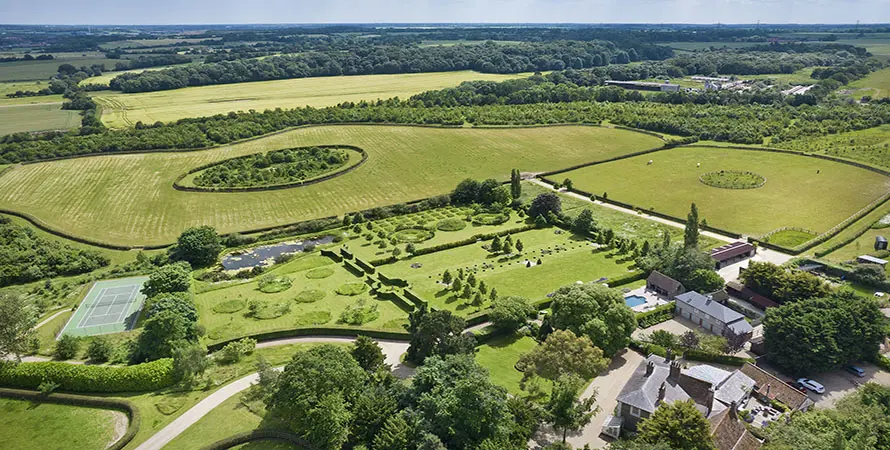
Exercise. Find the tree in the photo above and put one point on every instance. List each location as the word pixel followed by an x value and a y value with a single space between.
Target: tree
pixel 67 347
pixel 540 221
pixel 373 407
pixel 678 424
pixel 690 236
pixel 170 278
pixel 367 353
pixel 563 353
pixel 493 295
pixel 179 302
pixel 567 183
pixel 507 247
pixel 17 320
pixel 189 362
pixel 783 286
pixel 466 192
pixel 663 338
pixel 689 339
pixel 510 313
pixel 545 203
pixel 515 184
pixel 457 285
pixel 495 244
pixel 704 280
pixel 820 334
pixel 446 277
pixel 234 351
pixel 471 280
pixel 410 248
pixel 564 410
pixel 595 311
pixel 436 332
pixel 161 334
pixel 467 292
pixel 394 435
pixel 313 393
pixel 396 252
pixel 478 299
pixel 584 222
pixel 483 288
pixel 734 342
pixel 519 245
pixel 99 350
pixel 200 246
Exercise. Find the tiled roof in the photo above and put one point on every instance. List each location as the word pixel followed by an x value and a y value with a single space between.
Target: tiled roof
pixel 641 391
pixel 710 307
pixel 730 251
pixel 771 386
pixel 665 282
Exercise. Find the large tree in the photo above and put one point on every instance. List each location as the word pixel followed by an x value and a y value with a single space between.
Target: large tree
pixel 821 334
pixel 510 313
pixel 200 246
pixel 565 410
pixel 545 204
pixel 17 319
pixel 178 302
pixel 690 235
pixel 678 424
pixel 436 332
pixel 170 278
pixel 704 280
pixel 515 184
pixel 595 311
pixel 676 261
pixel 367 353
pixel 583 223
pixel 466 192
pixel 161 334
pixel 782 285
pixel 563 353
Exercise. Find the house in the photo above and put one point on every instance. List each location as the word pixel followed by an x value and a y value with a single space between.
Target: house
pixel 866 259
pixel 767 385
pixel 664 285
pixel 716 393
pixel 711 315
pixel 732 253
pixel 880 243
pixel 740 291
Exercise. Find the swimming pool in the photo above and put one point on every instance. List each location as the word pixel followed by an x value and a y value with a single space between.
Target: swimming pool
pixel 634 300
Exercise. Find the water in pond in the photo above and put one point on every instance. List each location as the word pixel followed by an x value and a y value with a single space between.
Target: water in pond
pixel 634 300
pixel 265 255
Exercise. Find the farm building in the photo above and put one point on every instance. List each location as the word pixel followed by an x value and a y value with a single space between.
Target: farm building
pixel 867 259
pixel 732 253
pixel 664 285
pixel 711 315
pixel 717 393
pixel 645 85
pixel 880 243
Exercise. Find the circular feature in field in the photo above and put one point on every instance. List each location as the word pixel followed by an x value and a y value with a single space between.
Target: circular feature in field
pixel 310 296
pixel 452 224
pixel 409 235
pixel 292 167
pixel 271 284
pixel 229 306
pixel 733 179
pixel 490 219
pixel 354 288
pixel 319 273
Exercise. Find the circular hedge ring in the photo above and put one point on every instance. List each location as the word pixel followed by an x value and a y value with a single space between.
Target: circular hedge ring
pixel 229 306
pixel 412 235
pixel 733 179
pixel 452 224
pixel 319 273
pixel 490 219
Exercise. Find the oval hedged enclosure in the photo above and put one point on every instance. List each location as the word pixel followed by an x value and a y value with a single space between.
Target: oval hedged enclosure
pixel 733 179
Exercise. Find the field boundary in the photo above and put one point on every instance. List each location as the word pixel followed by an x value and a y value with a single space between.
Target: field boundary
pixel 314 331
pixel 134 418
pixel 259 435
pixel 311 181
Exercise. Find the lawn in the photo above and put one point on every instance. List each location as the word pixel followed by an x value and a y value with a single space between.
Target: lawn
pixel 565 259
pixel 225 312
pixel 863 245
pixel 790 238
pixel 27 425
pixel 123 110
pixel 18 116
pixel 43 70
pixel 876 84
pixel 129 199
pixel 871 146
pixel 800 191
pixel 500 355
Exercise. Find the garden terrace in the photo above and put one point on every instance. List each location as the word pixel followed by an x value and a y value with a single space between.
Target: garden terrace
pixel 130 200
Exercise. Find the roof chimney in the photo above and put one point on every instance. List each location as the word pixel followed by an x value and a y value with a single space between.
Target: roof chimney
pixel 668 355
pixel 709 399
pixel 675 370
pixel 661 390
pixel 650 366
pixel 733 410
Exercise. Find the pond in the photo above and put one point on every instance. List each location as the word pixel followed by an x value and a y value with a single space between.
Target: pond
pixel 265 255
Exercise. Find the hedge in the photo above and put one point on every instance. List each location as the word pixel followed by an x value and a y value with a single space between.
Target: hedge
pixel 626 279
pixel 135 419
pixel 383 261
pixel 260 435
pixel 149 376
pixel 841 271
pixel 356 270
pixel 365 266
pixel 414 298
pixel 657 315
pixel 315 331
pixel 648 349
pixel 471 240
pixel 400 301
pixel 330 254
pixel 346 253
pixel 698 355
pixel 392 281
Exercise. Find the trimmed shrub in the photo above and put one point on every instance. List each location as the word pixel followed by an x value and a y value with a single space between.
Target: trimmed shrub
pixel 313 318
pixel 149 376
pixel 647 348
pixel 229 306
pixel 658 315
pixel 359 313
pixel 271 284
pixel 452 224
pixel 626 279
pixel 310 296
pixel 698 355
pixel 354 288
pixel 319 273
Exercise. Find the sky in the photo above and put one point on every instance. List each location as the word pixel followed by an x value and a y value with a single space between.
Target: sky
pixel 166 12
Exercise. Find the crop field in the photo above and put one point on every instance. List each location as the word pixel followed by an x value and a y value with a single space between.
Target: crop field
pixel 799 192
pixel 871 146
pixel 122 110
pixel 129 199
pixel 106 77
pixel 565 259
pixel 16 118
pixel 13 86
pixel 312 297
pixel 61 426
pixel 876 84
pixel 43 70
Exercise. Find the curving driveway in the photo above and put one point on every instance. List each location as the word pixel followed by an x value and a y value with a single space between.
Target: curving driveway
pixel 391 349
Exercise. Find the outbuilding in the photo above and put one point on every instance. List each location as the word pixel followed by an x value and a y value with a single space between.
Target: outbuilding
pixel 880 243
pixel 868 259
pixel 664 285
pixel 732 253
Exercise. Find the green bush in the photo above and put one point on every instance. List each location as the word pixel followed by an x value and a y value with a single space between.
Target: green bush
pixel 655 316
pixel 626 279
pixel 100 349
pixel 490 219
pixel 354 288
pixel 234 351
pixel 359 313
pixel 67 347
pixel 883 362
pixel 313 318
pixel 149 376
pixel 413 235
pixel 229 306
pixel 698 355
pixel 271 284
pixel 310 296
pixel 647 348
pixel 452 224
pixel 266 311
pixel 319 273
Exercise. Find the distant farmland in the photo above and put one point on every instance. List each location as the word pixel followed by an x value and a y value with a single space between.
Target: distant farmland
pixel 16 116
pixel 123 110
pixel 43 70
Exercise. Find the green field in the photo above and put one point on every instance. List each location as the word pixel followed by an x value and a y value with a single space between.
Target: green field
pixel 26 425
pixel 43 70
pixel 871 146
pixel 876 84
pixel 16 118
pixel 692 46
pixel 13 86
pixel 565 259
pixel 223 322
pixel 122 110
pixel 794 194
pixel 129 199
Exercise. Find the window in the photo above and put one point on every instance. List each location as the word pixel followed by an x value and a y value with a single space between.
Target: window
pixel 634 411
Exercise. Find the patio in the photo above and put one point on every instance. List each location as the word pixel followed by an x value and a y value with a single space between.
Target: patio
pixel 652 298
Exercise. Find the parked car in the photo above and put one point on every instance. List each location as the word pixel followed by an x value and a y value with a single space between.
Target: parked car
pixel 855 370
pixel 812 385
pixel 796 385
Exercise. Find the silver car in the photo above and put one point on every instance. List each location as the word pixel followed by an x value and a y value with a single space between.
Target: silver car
pixel 811 385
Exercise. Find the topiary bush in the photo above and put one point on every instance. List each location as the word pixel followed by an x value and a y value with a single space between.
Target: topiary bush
pixel 452 224
pixel 412 235
pixel 490 219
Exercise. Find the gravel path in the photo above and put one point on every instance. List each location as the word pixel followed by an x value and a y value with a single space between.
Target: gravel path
pixel 391 349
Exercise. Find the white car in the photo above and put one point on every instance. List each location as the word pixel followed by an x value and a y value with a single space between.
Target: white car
pixel 811 385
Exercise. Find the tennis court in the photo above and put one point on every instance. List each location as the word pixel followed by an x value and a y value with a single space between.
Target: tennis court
pixel 111 306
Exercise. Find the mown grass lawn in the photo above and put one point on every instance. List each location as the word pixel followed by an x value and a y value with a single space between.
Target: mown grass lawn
pixel 123 110
pixel 790 238
pixel 500 355
pixel 800 191
pixel 129 199
pixel 27 425
pixel 876 84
